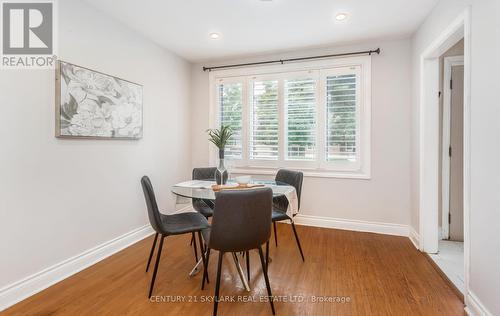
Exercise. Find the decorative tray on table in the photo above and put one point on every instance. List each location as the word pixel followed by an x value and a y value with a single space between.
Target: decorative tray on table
pixel 235 186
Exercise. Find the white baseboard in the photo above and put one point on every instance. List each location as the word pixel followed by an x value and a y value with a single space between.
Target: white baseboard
pixel 474 307
pixel 20 290
pixel 414 237
pixel 355 225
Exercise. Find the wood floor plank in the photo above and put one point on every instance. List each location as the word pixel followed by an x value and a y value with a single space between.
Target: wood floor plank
pixel 374 274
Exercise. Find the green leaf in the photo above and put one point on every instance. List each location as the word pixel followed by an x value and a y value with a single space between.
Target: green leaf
pixel 220 137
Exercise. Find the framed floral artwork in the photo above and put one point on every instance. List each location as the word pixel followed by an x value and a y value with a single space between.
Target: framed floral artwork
pixel 90 104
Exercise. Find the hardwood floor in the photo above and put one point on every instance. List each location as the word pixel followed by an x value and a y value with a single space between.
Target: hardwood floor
pixel 377 274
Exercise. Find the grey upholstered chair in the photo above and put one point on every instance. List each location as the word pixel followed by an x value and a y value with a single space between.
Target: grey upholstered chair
pixel 166 225
pixel 204 207
pixel 241 222
pixel 293 178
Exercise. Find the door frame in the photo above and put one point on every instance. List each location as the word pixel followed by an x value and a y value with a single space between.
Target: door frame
pixel 449 62
pixel 429 138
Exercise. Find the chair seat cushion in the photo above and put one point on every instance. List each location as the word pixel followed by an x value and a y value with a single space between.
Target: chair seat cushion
pixel 206 211
pixel 183 223
pixel 279 215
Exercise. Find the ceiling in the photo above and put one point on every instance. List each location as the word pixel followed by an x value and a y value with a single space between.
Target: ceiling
pixel 255 26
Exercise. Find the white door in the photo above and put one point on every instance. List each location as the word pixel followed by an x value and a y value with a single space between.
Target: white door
pixel 456 217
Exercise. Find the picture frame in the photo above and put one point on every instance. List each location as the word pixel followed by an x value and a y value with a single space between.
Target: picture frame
pixel 90 104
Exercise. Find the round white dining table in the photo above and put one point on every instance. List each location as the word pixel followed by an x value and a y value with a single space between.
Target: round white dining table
pixel 202 189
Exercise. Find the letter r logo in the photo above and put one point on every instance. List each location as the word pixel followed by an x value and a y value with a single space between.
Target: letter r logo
pixel 27 28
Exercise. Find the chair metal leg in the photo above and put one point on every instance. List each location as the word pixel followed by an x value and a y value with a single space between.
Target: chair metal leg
pixel 267 254
pixel 195 249
pixel 264 269
pixel 158 255
pixel 205 272
pixel 247 254
pixel 202 244
pixel 217 284
pixel 239 269
pixel 152 251
pixel 298 241
pixel 275 235
pixel 200 239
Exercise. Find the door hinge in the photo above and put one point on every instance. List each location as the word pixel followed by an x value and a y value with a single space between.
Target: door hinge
pixel 439 94
pixel 449 151
pixel 449 218
pixel 451 84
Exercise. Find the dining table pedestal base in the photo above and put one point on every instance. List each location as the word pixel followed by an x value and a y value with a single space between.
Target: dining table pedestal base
pixel 197 268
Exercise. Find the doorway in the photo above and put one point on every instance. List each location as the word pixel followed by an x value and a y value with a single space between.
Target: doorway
pixel 450 255
pixel 432 151
pixel 452 109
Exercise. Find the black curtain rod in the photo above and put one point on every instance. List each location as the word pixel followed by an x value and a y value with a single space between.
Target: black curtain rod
pixel 282 61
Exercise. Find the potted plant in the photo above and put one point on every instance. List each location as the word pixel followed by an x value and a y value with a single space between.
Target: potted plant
pixel 220 137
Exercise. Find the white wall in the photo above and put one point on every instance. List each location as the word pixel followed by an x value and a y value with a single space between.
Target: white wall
pixel 386 197
pixel 485 170
pixel 59 197
pixel 485 182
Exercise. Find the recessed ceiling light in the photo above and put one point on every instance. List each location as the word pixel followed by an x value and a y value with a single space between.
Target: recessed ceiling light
pixel 214 35
pixel 341 16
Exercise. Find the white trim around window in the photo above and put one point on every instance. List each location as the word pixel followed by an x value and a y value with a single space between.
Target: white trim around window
pixel 314 160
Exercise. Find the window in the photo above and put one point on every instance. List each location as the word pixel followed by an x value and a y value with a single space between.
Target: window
pixel 231 110
pixel 312 116
pixel 300 119
pixel 264 121
pixel 342 126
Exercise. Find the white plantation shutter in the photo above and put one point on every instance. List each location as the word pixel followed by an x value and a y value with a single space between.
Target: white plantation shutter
pixel 341 121
pixel 264 120
pixel 314 117
pixel 300 119
pixel 231 110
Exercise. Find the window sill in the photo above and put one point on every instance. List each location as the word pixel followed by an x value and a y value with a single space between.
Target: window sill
pixel 309 173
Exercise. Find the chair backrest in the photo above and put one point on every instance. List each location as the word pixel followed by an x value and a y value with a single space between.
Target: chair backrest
pixel 293 178
pixel 208 174
pixel 204 173
pixel 242 219
pixel 153 212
